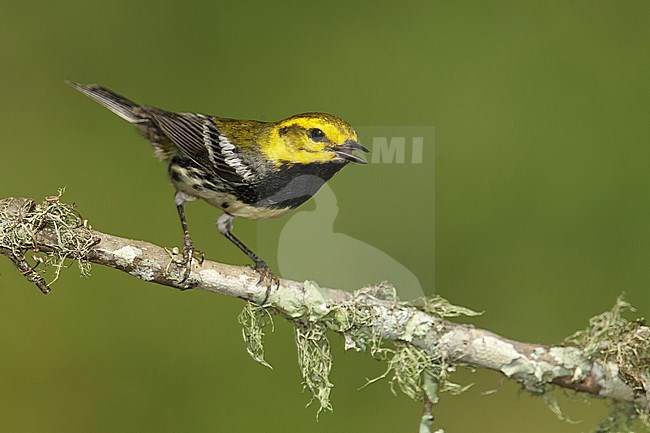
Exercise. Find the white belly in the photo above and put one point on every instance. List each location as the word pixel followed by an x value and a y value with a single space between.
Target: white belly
pixel 188 182
pixel 229 203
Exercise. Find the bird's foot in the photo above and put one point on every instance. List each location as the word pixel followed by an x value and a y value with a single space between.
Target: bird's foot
pixel 189 253
pixel 184 260
pixel 267 278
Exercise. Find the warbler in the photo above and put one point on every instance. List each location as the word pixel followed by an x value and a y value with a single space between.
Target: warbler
pixel 247 168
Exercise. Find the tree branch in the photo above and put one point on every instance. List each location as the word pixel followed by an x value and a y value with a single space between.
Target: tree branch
pixel 25 225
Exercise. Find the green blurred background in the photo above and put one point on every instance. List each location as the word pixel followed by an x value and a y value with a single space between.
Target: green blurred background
pixel 541 187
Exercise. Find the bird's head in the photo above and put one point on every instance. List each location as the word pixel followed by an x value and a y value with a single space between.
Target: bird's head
pixel 312 138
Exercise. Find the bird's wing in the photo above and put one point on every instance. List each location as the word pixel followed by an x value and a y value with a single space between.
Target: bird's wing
pixel 198 138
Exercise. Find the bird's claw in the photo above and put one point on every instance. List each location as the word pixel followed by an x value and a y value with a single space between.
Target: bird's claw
pixel 190 253
pixel 185 261
pixel 267 279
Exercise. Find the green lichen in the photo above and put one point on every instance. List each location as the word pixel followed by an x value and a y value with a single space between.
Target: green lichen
pixel 415 372
pixel 21 225
pixel 611 337
pixel 440 307
pixel 409 366
pixel 315 361
pixel 357 320
pixel 312 306
pixel 418 374
pixel 253 320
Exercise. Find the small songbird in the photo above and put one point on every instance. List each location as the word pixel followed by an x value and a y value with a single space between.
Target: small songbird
pixel 246 168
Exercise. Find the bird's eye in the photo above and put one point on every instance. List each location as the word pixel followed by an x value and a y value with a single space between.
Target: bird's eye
pixel 284 130
pixel 316 134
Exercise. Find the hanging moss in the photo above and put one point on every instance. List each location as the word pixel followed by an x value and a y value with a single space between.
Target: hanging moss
pixel 314 361
pixel 253 320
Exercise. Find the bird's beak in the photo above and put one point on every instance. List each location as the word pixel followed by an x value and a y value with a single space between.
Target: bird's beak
pixel 345 151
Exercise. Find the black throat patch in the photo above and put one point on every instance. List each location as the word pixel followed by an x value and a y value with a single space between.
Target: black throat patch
pixel 294 184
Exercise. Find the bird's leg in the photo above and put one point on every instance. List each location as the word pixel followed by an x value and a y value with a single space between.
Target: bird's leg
pixel 267 277
pixel 188 247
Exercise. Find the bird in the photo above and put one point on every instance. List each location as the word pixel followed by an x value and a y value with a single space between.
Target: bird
pixel 246 168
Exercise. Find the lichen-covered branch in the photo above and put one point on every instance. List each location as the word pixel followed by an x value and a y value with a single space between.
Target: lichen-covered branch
pixel 425 344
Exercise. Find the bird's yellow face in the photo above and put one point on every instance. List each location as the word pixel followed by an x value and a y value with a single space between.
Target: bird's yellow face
pixel 312 138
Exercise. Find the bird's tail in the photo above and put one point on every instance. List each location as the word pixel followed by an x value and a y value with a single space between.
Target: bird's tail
pixel 111 100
